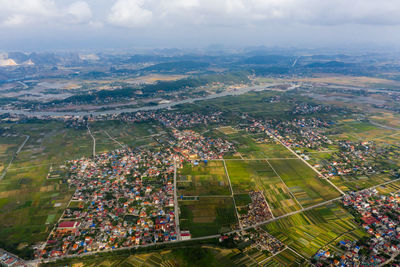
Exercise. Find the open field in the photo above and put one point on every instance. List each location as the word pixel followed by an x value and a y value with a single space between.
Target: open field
pixel 252 103
pixel 251 149
pixel 286 258
pixel 184 255
pixel 354 130
pixel 204 179
pixel 258 175
pixel 352 80
pixel 389 188
pixel 8 146
pixel 347 183
pixel 207 216
pixel 227 130
pixel 309 231
pixel 303 182
pixel 131 134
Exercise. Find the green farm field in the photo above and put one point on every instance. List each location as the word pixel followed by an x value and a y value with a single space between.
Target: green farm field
pixel 202 180
pixel 208 215
pixel 249 148
pixel 286 258
pixel 309 231
pixel 248 175
pixel 303 182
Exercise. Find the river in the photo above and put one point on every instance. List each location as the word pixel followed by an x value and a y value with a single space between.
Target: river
pixel 145 108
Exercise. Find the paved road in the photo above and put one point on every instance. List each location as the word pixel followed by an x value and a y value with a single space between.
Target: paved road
pixel 94 141
pixel 12 159
pixel 115 140
pixel 384 126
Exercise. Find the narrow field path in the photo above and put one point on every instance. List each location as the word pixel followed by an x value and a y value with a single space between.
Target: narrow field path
pixel 14 157
pixel 94 141
pixel 113 139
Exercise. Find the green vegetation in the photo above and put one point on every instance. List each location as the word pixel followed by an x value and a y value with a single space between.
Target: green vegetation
pixel 309 231
pixel 204 179
pixel 248 175
pixel 286 258
pixel 303 182
pixel 207 216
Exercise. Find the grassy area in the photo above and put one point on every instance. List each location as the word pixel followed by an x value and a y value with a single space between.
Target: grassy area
pixel 8 146
pixel 207 216
pixel 303 182
pixel 204 179
pixel 249 148
pixel 131 134
pixel 309 231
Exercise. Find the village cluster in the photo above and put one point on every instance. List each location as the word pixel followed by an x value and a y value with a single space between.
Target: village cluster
pixel 360 158
pixel 257 210
pixel 257 238
pixel 380 217
pixel 8 259
pixel 123 198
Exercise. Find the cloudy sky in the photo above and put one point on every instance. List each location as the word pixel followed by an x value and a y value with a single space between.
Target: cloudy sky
pixel 107 24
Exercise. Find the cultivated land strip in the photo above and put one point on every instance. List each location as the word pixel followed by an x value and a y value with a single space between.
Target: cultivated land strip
pixel 233 197
pixel 15 155
pixel 210 236
pixel 308 164
pixel 290 192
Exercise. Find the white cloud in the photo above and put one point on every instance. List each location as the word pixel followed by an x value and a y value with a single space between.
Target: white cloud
pixel 133 13
pixel 130 14
pixel 79 12
pixel 31 12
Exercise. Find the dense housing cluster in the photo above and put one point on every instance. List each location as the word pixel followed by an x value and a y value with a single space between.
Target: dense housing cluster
pixel 123 198
pixel 257 211
pixel 379 216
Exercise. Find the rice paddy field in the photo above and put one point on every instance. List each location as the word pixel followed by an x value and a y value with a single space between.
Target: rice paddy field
pixel 207 215
pixel 389 188
pixel 286 257
pixel 190 255
pixel 303 182
pixel 309 231
pixel 248 175
pixel 204 179
pixel 352 183
pixel 249 148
